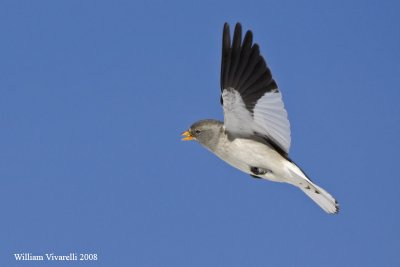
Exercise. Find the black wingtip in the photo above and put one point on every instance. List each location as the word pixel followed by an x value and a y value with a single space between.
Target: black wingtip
pixel 226 44
pixel 235 53
pixel 238 26
pixel 243 68
pixel 248 39
pixel 237 36
pixel 226 39
pixel 226 32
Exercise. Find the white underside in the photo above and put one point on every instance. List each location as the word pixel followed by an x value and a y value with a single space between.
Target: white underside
pixel 242 153
pixel 245 153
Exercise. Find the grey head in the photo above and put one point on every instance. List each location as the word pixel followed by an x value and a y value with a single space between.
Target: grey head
pixel 206 132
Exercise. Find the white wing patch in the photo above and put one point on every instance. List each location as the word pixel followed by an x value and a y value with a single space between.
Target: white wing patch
pixel 237 119
pixel 269 117
pixel 270 114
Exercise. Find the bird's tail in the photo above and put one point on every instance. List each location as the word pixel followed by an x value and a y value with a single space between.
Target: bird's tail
pixel 321 197
pixel 316 193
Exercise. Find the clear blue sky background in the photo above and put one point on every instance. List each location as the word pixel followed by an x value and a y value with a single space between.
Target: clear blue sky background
pixel 94 96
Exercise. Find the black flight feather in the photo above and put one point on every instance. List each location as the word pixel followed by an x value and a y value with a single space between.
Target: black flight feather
pixel 243 68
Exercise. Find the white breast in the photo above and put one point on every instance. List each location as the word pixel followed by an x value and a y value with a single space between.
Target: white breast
pixel 245 153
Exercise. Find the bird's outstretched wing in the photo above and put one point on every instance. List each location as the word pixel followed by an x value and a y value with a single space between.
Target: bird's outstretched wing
pixel 250 97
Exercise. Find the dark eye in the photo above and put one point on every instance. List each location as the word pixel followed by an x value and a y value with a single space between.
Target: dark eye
pixel 197 131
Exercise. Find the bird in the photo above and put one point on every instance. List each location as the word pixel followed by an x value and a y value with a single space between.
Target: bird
pixel 255 135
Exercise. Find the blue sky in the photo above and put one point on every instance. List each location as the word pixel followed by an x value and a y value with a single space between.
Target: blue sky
pixel 95 94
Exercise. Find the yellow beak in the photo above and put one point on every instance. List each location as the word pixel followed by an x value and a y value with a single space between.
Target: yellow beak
pixel 188 136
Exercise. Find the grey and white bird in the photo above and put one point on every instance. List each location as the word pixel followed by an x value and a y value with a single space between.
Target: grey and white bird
pixel 255 135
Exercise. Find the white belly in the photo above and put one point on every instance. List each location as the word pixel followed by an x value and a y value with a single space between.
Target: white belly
pixel 245 153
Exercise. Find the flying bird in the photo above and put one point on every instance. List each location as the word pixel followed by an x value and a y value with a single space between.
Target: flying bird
pixel 255 135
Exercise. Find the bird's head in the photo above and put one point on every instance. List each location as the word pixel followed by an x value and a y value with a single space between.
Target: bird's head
pixel 206 132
